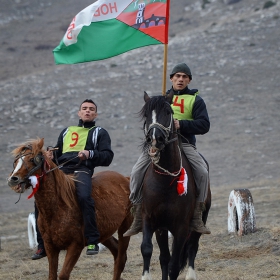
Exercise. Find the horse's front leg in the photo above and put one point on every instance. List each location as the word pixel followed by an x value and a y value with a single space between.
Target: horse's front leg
pixel 72 255
pixel 147 249
pixel 52 255
pixel 164 257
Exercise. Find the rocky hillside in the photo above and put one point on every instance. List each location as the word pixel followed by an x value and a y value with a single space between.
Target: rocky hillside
pixel 233 49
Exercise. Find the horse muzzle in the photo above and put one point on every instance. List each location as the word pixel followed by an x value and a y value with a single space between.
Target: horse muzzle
pixel 17 184
pixel 154 154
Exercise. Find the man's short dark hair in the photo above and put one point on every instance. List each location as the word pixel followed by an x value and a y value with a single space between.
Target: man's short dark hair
pixel 88 101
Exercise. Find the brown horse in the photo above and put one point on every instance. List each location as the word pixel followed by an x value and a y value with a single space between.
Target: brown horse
pixel 60 219
pixel 163 208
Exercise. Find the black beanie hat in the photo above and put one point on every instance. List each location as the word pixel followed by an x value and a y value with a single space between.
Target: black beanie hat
pixel 181 67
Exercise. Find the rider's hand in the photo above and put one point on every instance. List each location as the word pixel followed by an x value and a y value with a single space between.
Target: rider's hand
pixel 177 124
pixel 83 155
pixel 49 154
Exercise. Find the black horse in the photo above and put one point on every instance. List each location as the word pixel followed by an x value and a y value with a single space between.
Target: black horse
pixel 163 208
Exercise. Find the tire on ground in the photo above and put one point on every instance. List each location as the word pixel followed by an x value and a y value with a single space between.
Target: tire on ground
pixel 241 212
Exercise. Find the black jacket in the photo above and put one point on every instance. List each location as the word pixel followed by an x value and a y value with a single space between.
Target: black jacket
pixel 98 143
pixel 200 123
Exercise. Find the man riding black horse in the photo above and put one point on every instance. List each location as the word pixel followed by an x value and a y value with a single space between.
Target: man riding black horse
pixel 191 118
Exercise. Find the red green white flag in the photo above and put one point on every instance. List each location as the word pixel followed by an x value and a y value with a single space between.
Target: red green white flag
pixel 108 28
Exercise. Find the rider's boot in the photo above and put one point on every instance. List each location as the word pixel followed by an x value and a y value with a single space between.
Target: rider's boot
pixel 197 223
pixel 136 226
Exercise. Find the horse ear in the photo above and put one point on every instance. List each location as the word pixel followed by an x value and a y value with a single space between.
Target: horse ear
pixel 146 96
pixel 41 143
pixel 169 97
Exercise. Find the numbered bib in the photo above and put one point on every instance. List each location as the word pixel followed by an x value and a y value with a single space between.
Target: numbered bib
pixel 75 139
pixel 182 106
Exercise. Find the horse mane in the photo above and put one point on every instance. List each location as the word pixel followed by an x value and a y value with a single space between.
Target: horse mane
pixel 66 183
pixel 156 103
pixel 32 144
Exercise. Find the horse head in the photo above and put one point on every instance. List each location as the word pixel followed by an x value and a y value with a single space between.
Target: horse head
pixel 28 160
pixel 159 126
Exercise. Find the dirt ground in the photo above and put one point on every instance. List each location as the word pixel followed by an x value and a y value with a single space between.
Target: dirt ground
pixel 233 50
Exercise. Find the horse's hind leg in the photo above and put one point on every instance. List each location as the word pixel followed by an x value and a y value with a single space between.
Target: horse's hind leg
pixel 112 244
pixel 164 257
pixel 147 250
pixel 122 256
pixel 193 241
pixel 72 255
pixel 122 246
pixel 176 261
pixel 118 249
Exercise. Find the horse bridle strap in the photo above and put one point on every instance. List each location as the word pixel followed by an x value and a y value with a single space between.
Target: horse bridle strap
pixel 166 172
pixel 165 130
pixel 35 168
pixel 37 160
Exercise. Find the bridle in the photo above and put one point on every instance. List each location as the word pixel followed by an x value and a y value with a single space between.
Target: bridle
pixel 166 131
pixel 38 160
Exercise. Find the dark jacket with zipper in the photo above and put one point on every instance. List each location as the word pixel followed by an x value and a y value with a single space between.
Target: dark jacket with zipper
pixel 200 124
pixel 98 144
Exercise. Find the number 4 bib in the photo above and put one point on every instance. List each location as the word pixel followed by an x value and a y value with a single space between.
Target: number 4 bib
pixel 182 106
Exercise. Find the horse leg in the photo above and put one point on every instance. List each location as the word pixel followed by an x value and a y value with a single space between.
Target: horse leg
pixel 52 255
pixel 122 248
pixel 112 244
pixel 147 250
pixel 118 249
pixel 164 257
pixel 192 247
pixel 176 261
pixel 72 255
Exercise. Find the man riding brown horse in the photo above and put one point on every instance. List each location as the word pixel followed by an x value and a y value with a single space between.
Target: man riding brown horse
pixel 83 147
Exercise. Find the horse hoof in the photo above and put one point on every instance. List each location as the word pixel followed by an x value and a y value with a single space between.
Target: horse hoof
pixel 146 276
pixel 101 247
pixel 191 274
pixel 241 212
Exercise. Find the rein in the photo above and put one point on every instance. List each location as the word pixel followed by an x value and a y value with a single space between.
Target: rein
pixel 61 165
pixel 166 172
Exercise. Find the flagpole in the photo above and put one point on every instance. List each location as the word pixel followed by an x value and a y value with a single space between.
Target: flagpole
pixel 165 48
pixel 164 69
